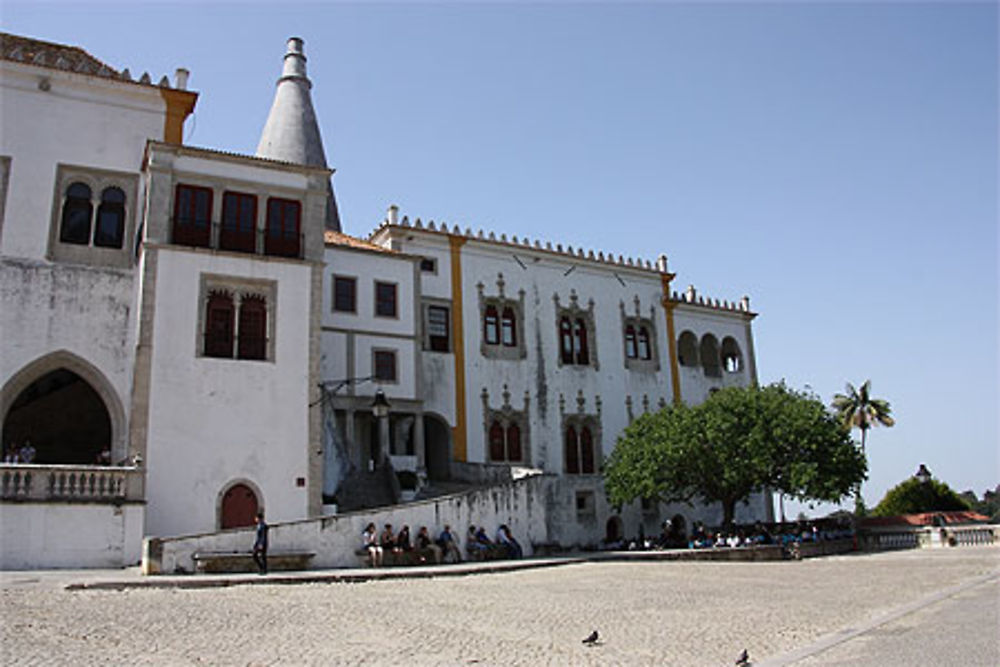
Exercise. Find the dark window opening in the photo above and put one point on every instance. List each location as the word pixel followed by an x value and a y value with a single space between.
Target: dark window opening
pixel 385 299
pixel 572 452
pixel 580 343
pixel 219 325
pixel 193 216
pixel 631 350
pixel 566 340
pixel 239 222
pixel 253 328
pixel 385 365
pixel 428 265
pixel 508 327
pixel 76 214
pixel 437 328
pixel 491 326
pixel 345 294
pixel 496 442
pixel 282 237
pixel 110 230
pixel 513 443
pixel 644 349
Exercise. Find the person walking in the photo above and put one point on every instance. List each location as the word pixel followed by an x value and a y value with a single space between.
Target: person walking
pixel 260 544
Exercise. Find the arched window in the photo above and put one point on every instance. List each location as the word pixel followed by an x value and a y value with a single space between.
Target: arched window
pixel 491 326
pixel 580 343
pixel 566 340
pixel 513 443
pixel 76 214
pixel 630 345
pixel 644 350
pixel 709 353
pixel 282 227
pixel 508 327
pixel 219 325
pixel 110 231
pixel 496 442
pixel 572 453
pixel 253 328
pixel 687 349
pixel 732 359
pixel 586 451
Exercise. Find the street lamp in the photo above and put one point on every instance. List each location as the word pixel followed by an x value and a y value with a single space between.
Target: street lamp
pixel 380 406
pixel 923 474
pixel 380 409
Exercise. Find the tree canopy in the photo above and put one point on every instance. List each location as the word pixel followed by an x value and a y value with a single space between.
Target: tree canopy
pixel 737 443
pixel 911 496
pixel 859 409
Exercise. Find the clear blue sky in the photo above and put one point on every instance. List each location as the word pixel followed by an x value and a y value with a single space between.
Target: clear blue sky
pixel 836 162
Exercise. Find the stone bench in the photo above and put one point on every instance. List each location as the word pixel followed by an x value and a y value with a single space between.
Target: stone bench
pixel 242 561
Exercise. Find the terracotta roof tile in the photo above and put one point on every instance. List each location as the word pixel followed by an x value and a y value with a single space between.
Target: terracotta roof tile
pixel 53 56
pixel 338 238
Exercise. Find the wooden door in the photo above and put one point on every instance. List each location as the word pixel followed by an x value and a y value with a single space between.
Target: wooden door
pixel 239 507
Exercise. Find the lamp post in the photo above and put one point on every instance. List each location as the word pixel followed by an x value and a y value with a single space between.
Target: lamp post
pixel 380 409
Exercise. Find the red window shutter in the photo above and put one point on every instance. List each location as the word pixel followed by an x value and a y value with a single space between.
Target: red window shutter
pixel 514 443
pixel 193 216
pixel 496 442
pixel 572 452
pixel 219 325
pixel 282 227
pixel 239 222
pixel 253 328
pixel 586 451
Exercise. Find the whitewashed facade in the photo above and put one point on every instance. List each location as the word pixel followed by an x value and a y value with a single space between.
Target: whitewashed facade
pixel 188 334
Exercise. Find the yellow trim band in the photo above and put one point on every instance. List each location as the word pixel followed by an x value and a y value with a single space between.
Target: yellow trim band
pixel 668 309
pixel 458 432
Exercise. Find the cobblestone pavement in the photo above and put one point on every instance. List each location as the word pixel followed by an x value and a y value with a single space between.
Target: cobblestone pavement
pixel 648 613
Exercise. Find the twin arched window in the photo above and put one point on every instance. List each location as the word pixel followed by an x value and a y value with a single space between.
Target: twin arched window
pixel 573 349
pixel 500 326
pixel 637 342
pixel 220 330
pixel 78 225
pixel 505 443
pixel 579 451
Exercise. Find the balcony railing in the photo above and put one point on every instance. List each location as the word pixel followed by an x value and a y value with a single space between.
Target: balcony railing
pixel 204 234
pixel 70 483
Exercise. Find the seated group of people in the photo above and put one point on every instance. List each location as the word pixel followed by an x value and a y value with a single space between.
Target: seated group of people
pixel 23 454
pixel 397 548
pixel 479 546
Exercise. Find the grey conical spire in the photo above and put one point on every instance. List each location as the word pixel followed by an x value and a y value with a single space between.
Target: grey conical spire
pixel 291 133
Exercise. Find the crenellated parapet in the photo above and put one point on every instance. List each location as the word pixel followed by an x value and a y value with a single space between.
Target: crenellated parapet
pixel 690 296
pixel 392 220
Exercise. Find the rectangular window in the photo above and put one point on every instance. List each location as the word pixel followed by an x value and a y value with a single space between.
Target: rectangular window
pixel 385 299
pixel 345 294
pixel 385 365
pixel 428 265
pixel 282 227
pixel 239 222
pixel 437 328
pixel 193 216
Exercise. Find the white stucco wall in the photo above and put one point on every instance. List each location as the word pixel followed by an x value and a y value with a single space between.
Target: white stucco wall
pixel 63 535
pixel 80 120
pixel 695 385
pixel 213 422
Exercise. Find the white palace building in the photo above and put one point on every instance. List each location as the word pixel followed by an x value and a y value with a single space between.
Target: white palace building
pixel 187 336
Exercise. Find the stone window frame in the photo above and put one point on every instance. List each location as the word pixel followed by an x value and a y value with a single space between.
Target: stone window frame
pixel 334 277
pixel 638 322
pixel 395 299
pixel 501 302
pixel 395 365
pixel 507 416
pixel 98 180
pixel 238 287
pixel 575 312
pixel 5 162
pixel 579 420
pixel 425 305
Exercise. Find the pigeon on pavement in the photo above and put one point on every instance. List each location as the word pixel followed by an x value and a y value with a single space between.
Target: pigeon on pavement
pixel 744 659
pixel 591 639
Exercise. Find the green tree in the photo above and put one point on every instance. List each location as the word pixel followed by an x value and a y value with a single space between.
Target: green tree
pixel 858 409
pixel 738 442
pixel 911 496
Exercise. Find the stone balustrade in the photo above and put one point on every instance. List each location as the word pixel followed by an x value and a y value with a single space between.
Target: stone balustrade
pixel 929 537
pixel 70 483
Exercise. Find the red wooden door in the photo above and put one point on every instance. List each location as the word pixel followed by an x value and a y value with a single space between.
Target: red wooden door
pixel 239 507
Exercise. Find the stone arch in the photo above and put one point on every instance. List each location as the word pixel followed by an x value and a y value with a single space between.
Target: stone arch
pixel 614 530
pixel 732 358
pixel 711 362
pixel 437 447
pixel 64 360
pixel 225 497
pixel 687 349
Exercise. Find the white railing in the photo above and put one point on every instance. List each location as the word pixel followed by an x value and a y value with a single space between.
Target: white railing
pixel 73 483
pixel 965 536
pixel 929 537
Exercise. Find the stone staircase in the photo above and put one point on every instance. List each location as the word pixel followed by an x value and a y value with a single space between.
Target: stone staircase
pixel 365 489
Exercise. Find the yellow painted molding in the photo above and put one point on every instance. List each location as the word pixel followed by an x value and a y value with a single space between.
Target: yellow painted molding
pixel 180 104
pixel 458 432
pixel 668 310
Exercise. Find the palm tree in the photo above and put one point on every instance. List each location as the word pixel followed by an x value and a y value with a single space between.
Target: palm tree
pixel 859 410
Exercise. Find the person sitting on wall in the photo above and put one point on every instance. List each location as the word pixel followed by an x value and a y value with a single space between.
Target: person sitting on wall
pixel 506 538
pixel 404 546
pixel 27 453
pixel 476 549
pixel 387 540
pixel 369 545
pixel 426 547
pixel 449 546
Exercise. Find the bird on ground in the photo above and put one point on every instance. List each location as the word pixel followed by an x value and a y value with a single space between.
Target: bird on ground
pixel 591 638
pixel 744 659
